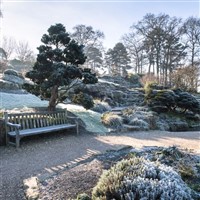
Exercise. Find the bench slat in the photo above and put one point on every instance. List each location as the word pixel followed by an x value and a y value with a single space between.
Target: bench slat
pixel 36 131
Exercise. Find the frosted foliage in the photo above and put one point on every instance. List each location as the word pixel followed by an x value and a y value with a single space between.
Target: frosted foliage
pixel 139 122
pixel 140 179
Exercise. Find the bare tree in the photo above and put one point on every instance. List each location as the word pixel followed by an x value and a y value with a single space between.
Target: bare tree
pixel 87 36
pixel 161 38
pixel 191 31
pixel 91 40
pixel 186 78
pixel 9 45
pixel 135 48
pixel 24 52
pixel 3 60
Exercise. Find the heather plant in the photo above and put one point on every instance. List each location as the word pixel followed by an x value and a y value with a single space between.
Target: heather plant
pixel 140 179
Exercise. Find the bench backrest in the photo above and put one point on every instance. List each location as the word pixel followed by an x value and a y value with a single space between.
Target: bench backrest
pixel 37 119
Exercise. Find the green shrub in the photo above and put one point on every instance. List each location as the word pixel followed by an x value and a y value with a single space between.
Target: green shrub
pixel 134 78
pixel 162 100
pixel 187 101
pixel 138 179
pixel 83 99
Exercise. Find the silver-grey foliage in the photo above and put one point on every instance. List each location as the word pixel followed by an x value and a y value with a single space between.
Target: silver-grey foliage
pixel 140 179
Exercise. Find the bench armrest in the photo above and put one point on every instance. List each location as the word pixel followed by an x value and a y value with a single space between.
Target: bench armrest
pixel 17 126
pixel 72 117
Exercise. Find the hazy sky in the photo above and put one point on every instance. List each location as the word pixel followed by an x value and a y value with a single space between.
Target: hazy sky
pixel 29 20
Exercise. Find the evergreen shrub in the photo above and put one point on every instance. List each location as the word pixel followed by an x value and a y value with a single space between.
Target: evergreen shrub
pixel 140 179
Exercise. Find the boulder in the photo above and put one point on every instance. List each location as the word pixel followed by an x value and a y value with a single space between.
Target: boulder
pixel 178 126
pixel 6 85
pixel 13 79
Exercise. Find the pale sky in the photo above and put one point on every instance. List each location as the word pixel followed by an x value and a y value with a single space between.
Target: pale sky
pixel 29 20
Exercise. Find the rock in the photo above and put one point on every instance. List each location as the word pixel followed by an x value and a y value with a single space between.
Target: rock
pixel 178 126
pixel 160 109
pixel 131 127
pixel 31 188
pixel 116 91
pixel 14 79
pixel 6 85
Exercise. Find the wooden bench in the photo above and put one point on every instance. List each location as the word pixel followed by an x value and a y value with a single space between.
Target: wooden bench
pixel 19 125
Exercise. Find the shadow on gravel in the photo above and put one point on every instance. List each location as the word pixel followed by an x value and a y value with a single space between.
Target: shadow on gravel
pixel 53 152
pixel 47 153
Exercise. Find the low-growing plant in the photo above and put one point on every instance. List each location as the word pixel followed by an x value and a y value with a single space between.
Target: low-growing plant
pixel 100 106
pixel 83 196
pixel 162 100
pixel 139 122
pixel 134 78
pixel 186 171
pixel 111 120
pixel 138 179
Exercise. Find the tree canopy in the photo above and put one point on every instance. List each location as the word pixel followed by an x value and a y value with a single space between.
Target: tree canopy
pixel 57 67
pixel 117 59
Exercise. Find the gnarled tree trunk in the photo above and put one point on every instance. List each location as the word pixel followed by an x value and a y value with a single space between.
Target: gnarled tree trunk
pixel 53 98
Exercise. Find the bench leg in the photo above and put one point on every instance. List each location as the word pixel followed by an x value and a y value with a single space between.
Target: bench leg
pixel 7 139
pixel 17 142
pixel 17 139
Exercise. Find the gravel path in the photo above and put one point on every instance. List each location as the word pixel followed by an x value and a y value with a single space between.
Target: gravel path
pixel 51 152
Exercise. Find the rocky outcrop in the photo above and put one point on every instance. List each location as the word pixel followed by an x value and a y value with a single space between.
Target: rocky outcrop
pixel 143 119
pixel 113 92
pixel 6 85
pixel 12 81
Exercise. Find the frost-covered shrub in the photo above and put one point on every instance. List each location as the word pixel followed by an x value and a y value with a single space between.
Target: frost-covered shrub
pixel 111 120
pixel 141 117
pixel 139 122
pixel 163 100
pixel 140 179
pixel 187 101
pixel 134 78
pixel 83 197
pixel 101 107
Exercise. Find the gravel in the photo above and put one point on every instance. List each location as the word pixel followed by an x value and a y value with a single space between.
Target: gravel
pixel 51 152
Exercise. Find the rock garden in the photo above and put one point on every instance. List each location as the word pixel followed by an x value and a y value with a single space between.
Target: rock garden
pixel 148 173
